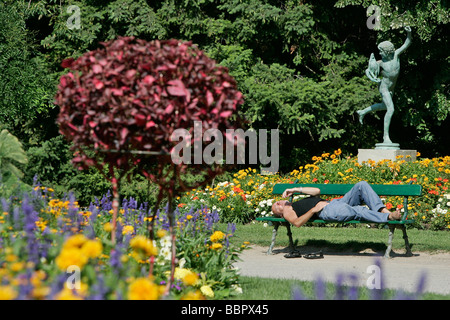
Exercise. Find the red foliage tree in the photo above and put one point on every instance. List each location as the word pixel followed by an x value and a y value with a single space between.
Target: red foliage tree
pixel 125 100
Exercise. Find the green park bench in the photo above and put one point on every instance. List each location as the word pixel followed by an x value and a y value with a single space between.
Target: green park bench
pixel 341 189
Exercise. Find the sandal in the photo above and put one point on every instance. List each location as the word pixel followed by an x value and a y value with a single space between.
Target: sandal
pixel 314 255
pixel 293 254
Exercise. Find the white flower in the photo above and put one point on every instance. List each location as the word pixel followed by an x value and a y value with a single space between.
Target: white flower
pixel 263 213
pixel 248 203
pixel 236 288
pixel 181 263
pixel 257 209
pixel 448 204
pixel 166 253
pixel 265 224
pixel 165 242
pixel 214 207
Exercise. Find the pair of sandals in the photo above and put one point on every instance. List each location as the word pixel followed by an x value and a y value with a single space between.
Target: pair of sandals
pixel 297 254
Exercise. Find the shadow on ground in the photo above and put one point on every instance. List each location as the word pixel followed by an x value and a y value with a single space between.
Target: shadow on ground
pixel 350 247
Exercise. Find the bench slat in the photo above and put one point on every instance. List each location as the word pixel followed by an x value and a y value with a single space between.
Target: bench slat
pixel 341 189
pixel 274 219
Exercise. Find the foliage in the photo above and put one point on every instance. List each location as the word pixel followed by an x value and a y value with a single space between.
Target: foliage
pixel 133 94
pixel 26 85
pixel 44 240
pixel 319 48
pixel 249 194
pixel 11 155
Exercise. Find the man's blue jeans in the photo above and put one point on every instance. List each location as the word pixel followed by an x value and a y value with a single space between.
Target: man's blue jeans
pixel 350 206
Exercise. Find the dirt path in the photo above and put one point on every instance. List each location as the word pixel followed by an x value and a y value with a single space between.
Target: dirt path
pixel 400 272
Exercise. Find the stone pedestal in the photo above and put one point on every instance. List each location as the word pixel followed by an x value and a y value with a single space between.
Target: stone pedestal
pixel 385 154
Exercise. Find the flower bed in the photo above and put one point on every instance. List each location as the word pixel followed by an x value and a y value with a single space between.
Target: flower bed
pixel 53 249
pixel 248 194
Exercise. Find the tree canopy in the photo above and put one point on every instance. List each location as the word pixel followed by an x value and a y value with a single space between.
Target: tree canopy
pixel 299 63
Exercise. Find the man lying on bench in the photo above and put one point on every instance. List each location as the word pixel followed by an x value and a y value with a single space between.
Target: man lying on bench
pixel 346 208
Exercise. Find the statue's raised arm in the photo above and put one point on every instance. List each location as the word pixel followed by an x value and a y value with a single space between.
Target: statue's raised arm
pixel 407 41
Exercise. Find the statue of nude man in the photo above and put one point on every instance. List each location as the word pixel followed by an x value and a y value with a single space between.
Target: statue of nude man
pixel 389 65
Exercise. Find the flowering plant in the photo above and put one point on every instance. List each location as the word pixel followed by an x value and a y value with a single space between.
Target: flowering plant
pixel 53 249
pixel 430 210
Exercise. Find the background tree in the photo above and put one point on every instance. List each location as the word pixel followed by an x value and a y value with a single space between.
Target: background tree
pixel 300 64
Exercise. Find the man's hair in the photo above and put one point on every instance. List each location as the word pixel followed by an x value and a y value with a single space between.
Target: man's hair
pixel 387 47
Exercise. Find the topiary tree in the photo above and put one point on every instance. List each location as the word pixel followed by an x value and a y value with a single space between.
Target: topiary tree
pixel 121 104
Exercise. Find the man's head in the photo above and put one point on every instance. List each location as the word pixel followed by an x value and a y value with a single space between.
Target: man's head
pixel 277 207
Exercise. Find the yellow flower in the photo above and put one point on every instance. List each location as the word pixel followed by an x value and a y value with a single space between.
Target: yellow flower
pixel 40 293
pixel 75 241
pixel 217 236
pixel 216 246
pixel 17 266
pixel 197 295
pixel 161 233
pixel 11 257
pixel 143 247
pixel 143 289
pixel 7 293
pixel 67 294
pixel 69 257
pixel 207 291
pixel 108 227
pixel 190 278
pixel 127 230
pixel 92 248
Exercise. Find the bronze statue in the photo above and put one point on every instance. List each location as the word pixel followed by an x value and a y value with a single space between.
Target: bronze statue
pixel 389 65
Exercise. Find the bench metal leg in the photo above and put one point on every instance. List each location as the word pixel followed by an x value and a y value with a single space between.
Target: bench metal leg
pixel 291 242
pixel 274 236
pixel 405 237
pixel 387 254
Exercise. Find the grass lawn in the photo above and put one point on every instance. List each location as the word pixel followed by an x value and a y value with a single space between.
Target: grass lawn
pixel 344 238
pixel 336 239
pixel 254 288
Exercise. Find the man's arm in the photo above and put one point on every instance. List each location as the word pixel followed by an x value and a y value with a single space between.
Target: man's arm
pixel 290 215
pixel 306 190
pixel 407 41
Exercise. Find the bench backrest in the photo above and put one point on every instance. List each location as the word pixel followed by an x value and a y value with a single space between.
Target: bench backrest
pixel 341 189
